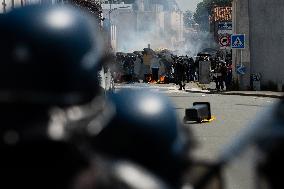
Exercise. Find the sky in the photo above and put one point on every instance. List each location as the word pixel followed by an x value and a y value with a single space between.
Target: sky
pixel 188 4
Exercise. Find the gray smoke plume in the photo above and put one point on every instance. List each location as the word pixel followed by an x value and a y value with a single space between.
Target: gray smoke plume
pixel 155 28
pixel 196 41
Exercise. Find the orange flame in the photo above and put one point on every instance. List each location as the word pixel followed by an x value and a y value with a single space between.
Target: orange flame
pixel 149 79
pixel 162 79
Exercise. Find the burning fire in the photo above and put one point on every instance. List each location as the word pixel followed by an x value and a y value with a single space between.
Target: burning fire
pixel 162 79
pixel 149 79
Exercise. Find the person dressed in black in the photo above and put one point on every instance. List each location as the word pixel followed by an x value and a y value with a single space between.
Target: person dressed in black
pixel 129 68
pixel 186 62
pixel 180 74
pixel 229 76
pixel 191 69
pixel 223 75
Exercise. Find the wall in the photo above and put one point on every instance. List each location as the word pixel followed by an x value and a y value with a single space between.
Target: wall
pixel 241 25
pixel 267 40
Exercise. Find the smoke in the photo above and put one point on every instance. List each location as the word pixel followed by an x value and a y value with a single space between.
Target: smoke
pixel 195 42
pixel 162 29
pixel 137 40
pixel 149 29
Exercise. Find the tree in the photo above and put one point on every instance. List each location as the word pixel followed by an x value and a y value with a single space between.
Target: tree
pixel 129 1
pixel 188 19
pixel 203 10
pixel 201 16
pixel 92 6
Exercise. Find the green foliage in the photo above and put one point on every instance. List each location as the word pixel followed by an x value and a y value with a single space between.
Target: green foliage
pixel 201 16
pixel 92 6
pixel 188 19
pixel 129 1
pixel 203 10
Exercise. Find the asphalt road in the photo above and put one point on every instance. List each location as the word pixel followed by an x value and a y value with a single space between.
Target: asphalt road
pixel 232 113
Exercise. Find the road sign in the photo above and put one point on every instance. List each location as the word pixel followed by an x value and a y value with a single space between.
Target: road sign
pixel 224 40
pixel 225 31
pixel 241 70
pixel 225 26
pixel 238 41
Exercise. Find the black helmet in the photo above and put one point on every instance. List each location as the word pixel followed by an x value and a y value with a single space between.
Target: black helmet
pixel 146 130
pixel 49 55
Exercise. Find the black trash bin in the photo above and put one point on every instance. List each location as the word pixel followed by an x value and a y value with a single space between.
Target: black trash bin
pixel 155 74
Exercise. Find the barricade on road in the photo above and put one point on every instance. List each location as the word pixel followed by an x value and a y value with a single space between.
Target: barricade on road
pixel 199 112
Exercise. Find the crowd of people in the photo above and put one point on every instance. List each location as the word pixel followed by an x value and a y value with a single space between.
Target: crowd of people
pixel 134 67
pixel 222 75
pixel 170 68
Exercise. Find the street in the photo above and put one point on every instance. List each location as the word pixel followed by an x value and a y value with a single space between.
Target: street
pixel 232 113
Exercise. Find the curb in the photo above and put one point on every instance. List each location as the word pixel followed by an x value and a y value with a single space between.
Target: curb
pixel 240 94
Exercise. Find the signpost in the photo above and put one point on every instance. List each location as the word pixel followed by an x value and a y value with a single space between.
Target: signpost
pixel 238 42
pixel 225 31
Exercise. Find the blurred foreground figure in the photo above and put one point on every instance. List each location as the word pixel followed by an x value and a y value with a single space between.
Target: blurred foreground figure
pixel 271 145
pixel 255 155
pixel 49 61
pixel 145 130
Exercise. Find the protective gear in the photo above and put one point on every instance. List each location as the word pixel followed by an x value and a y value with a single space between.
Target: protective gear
pixel 146 130
pixel 49 55
pixel 271 147
pixel 120 174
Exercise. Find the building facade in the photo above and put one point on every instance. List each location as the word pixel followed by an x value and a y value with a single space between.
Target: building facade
pixel 242 57
pixel 146 22
pixel 262 23
pixel 267 42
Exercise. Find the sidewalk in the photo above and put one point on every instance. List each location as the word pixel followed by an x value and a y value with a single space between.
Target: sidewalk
pixel 210 89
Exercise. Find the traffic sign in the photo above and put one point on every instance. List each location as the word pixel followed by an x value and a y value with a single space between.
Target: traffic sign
pixel 225 26
pixel 224 40
pixel 225 31
pixel 241 70
pixel 238 41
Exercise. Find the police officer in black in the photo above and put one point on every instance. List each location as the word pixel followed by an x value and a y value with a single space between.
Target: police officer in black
pixel 180 73
pixel 49 61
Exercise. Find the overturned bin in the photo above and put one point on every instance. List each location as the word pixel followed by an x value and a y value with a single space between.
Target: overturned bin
pixel 200 111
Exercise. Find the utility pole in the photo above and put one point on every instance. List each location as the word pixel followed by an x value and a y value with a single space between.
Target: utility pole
pixel 109 23
pixel 110 2
pixel 109 19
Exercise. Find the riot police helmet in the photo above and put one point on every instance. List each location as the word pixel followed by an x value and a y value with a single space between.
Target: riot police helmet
pixel 49 55
pixel 145 129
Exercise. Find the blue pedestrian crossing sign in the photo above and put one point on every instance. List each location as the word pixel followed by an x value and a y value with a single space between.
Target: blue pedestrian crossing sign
pixel 238 41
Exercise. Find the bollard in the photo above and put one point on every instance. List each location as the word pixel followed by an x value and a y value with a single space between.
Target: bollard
pixel 200 111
